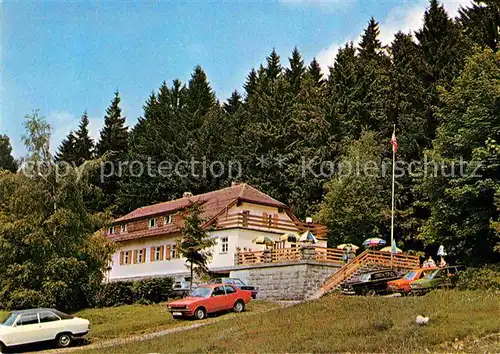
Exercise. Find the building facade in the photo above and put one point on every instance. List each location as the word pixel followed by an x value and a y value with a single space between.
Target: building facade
pixel 147 237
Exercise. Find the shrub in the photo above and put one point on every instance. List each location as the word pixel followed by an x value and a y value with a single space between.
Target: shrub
pixel 145 291
pixel 486 278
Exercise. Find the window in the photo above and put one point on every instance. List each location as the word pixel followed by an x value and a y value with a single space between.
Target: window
pixel 229 289
pixel 126 257
pixel 111 230
pixel 174 252
pixel 158 254
pixel 219 291
pixel 25 320
pixel 140 256
pixel 48 317
pixel 268 219
pixel 123 228
pixel 153 223
pixel 224 244
pixel 168 219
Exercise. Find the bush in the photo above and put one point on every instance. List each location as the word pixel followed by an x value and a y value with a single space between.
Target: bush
pixel 486 278
pixel 145 291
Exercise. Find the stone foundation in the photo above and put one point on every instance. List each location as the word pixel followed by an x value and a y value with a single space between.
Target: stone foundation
pixel 299 280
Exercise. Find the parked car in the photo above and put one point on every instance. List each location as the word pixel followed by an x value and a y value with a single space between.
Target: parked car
pixel 210 298
pixel 238 283
pixel 180 288
pixel 41 325
pixel 370 283
pixel 403 285
pixel 439 278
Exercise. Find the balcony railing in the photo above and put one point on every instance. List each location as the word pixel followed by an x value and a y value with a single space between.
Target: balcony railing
pixel 270 223
pixel 292 254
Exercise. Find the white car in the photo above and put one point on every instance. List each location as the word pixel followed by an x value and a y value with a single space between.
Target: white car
pixel 40 325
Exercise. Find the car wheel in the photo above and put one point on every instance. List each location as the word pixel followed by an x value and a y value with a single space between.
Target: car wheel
pixel 200 313
pixel 64 340
pixel 371 292
pixel 3 348
pixel 239 306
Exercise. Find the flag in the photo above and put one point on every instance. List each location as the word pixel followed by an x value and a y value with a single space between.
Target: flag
pixel 394 143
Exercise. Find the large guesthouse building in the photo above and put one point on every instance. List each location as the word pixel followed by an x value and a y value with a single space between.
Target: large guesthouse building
pixel 147 237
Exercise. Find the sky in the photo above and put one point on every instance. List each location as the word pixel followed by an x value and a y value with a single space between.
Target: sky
pixel 63 58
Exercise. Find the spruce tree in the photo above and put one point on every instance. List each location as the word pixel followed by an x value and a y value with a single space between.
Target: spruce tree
pixel 84 145
pixel 273 69
pixel 296 71
pixel 370 45
pixel 233 103
pixel 114 134
pixel 314 69
pixel 7 162
pixel 67 150
pixel 200 97
pixel 250 83
pixel 481 22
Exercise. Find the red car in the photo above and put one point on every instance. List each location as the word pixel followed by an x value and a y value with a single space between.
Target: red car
pixel 210 298
pixel 403 284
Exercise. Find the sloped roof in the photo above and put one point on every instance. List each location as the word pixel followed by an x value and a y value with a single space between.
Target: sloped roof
pixel 213 202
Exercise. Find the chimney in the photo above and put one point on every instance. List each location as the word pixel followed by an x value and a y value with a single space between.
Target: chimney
pixel 234 183
pixel 187 194
pixel 309 220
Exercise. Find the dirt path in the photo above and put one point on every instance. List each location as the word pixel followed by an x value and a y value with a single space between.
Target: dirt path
pixel 138 338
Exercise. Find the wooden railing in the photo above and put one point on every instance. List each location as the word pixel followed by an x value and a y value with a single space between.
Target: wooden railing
pixel 285 254
pixel 400 261
pixel 329 255
pixel 270 223
pixel 291 254
pixel 250 257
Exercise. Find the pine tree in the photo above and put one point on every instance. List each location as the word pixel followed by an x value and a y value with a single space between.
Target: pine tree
pixel 200 97
pixel 296 71
pixel 234 103
pixel 84 145
pixel 443 50
pixel 250 83
pixel 67 150
pixel 314 70
pixel 273 69
pixel 481 22
pixel 7 162
pixel 370 45
pixel 114 135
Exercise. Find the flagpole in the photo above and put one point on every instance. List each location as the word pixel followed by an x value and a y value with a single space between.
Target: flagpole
pixel 392 211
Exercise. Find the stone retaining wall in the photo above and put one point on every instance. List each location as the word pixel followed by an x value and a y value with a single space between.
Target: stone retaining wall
pixel 286 281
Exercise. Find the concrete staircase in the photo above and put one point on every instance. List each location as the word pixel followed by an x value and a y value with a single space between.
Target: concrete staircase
pixel 367 261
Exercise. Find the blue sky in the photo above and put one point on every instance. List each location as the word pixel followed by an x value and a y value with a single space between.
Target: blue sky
pixel 66 57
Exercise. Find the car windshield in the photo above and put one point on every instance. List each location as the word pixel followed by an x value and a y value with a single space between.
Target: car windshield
pixel 201 292
pixel 431 274
pixel 9 319
pixel 410 275
pixel 238 282
pixel 364 277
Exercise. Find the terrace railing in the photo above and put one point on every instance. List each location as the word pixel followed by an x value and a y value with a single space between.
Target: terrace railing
pixel 269 223
pixel 290 254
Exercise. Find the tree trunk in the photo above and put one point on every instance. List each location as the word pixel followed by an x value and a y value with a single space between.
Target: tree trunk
pixel 191 279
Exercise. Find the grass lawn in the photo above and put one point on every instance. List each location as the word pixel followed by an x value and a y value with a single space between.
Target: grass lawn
pixel 123 321
pixel 340 324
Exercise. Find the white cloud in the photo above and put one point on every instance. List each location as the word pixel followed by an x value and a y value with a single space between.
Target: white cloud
pixel 407 17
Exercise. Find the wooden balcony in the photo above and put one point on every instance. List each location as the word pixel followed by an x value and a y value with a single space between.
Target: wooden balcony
pixel 270 223
pixel 292 254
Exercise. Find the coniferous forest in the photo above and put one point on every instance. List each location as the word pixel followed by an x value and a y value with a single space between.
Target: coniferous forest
pixel 292 131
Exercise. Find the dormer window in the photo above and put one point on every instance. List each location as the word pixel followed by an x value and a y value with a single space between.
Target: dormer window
pixel 123 228
pixel 168 219
pixel 111 230
pixel 153 223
